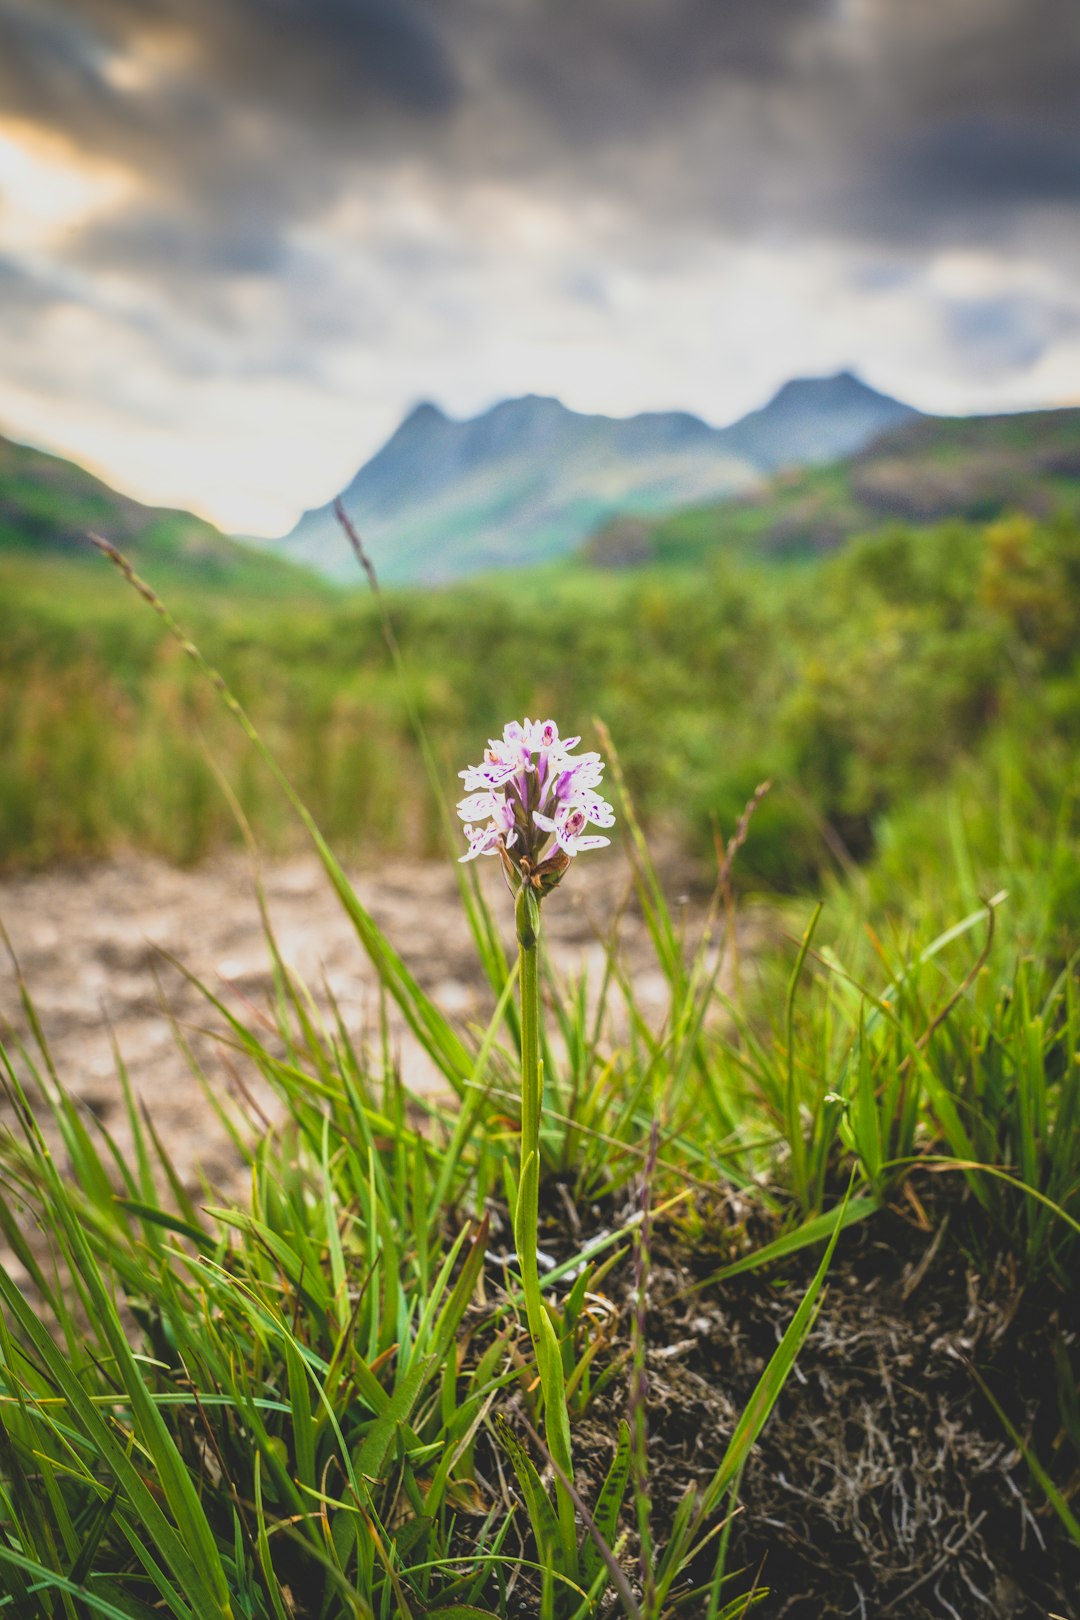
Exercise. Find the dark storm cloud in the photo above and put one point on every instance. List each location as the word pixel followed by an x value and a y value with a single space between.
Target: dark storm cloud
pixel 996 162
pixel 192 245
pixel 252 119
pixel 595 71
pixel 328 61
pixel 960 118
pixel 326 57
pixel 897 122
pixel 256 111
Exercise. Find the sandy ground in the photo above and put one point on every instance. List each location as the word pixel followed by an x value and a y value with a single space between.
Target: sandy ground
pixel 93 943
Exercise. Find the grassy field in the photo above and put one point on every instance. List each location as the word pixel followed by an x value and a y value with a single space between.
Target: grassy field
pixel 806 1246
pixel 326 1403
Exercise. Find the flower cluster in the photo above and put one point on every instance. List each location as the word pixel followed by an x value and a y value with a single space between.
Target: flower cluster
pixel 529 789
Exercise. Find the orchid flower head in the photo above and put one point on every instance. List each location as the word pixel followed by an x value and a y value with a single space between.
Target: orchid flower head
pixel 533 799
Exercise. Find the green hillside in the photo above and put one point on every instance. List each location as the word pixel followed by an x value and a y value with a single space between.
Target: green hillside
pixel 931 469
pixel 47 504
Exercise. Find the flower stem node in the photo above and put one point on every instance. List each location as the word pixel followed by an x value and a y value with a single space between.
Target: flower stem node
pixel 527 917
pixel 530 801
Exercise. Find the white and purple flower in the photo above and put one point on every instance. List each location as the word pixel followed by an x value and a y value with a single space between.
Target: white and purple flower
pixel 528 788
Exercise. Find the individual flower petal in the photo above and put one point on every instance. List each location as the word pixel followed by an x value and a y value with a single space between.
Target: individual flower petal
pixel 504 815
pixel 575 776
pixel 478 806
pixel 570 823
pixel 598 810
pixel 482 841
pixel 492 773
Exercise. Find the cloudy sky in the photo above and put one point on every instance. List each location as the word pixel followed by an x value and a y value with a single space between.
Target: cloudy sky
pixel 238 238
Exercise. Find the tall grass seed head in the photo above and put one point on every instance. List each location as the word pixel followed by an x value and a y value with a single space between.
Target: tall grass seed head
pixel 530 801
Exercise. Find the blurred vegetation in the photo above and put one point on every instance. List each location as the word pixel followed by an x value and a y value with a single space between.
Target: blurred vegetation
pixel 855 681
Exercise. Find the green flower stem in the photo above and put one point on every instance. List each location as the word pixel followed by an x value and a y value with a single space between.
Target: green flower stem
pixel 526 1218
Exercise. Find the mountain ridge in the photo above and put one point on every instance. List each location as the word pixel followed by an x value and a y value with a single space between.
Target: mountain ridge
pixel 970 468
pixel 528 479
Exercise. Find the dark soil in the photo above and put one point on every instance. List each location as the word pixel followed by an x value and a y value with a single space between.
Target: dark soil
pixel 884 1483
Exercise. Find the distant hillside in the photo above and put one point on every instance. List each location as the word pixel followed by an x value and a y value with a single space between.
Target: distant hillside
pixel 920 473
pixel 529 479
pixel 47 504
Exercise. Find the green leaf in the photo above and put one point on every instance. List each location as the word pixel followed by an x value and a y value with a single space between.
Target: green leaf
pixel 196 1565
pixel 542 1516
pixel 83 1564
pixel 51 1581
pixel 1038 1472
pixel 372 1453
pixel 172 1223
pixel 803 1237
pixel 449 1319
pixel 463 1611
pixel 767 1391
pixel 608 1503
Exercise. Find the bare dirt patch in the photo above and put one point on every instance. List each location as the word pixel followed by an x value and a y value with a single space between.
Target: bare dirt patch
pixel 94 943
